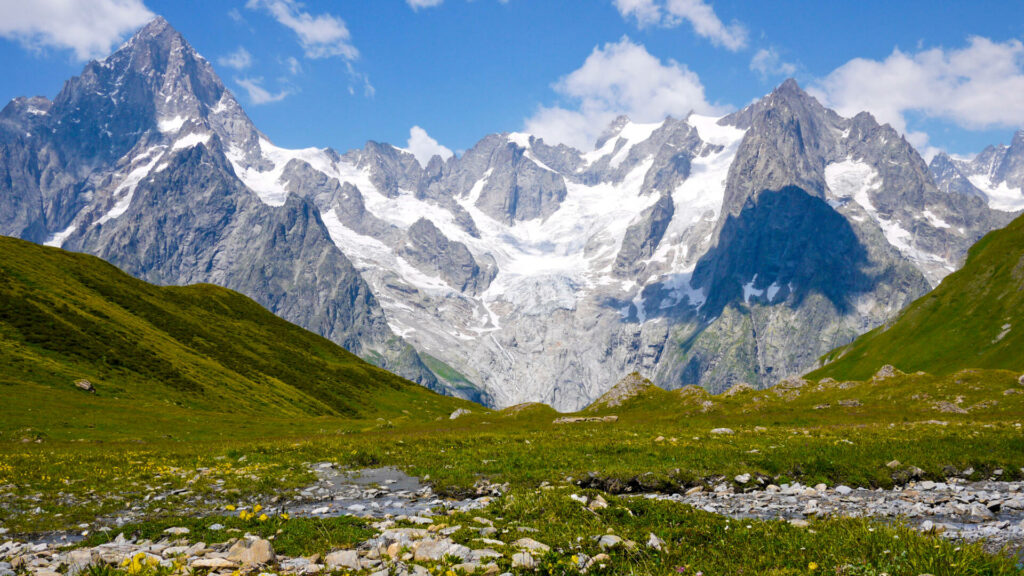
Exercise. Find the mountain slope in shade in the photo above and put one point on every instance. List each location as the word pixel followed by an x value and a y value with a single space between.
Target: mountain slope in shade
pixel 129 163
pixel 67 316
pixel 974 319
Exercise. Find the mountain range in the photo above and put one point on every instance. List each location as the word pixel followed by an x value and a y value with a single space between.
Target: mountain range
pixel 697 250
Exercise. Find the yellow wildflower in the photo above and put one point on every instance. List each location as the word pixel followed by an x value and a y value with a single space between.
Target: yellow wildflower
pixel 257 508
pixel 262 518
pixel 812 566
pixel 285 516
pixel 230 507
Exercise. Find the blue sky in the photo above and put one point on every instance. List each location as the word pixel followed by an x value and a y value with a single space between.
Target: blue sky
pixel 338 73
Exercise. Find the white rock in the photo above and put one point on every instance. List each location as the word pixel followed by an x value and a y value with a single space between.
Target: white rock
pixel 523 560
pixel 348 559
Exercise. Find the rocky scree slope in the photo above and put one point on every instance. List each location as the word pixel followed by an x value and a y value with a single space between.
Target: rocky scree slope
pixel 130 162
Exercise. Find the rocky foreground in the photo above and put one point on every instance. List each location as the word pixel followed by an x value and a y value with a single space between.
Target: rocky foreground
pixel 413 537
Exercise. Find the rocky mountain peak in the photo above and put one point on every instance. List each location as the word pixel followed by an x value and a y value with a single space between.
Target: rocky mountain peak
pixel 613 130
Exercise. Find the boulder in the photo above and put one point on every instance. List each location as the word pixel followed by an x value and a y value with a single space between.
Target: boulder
pixel 523 560
pixel 252 552
pixel 531 545
pixel 459 412
pixel 347 559
pixel 85 385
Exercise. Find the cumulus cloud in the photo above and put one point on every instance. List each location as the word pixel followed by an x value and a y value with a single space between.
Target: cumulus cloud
pixel 671 13
pixel 258 94
pixel 239 59
pixel 423 147
pixel 976 87
pixel 618 78
pixel 767 63
pixel 321 36
pixel 89 29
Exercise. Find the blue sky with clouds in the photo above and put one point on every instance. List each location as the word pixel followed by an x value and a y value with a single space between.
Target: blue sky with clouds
pixel 950 75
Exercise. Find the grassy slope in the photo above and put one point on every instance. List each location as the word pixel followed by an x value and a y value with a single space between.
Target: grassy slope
pixel 157 355
pixel 957 325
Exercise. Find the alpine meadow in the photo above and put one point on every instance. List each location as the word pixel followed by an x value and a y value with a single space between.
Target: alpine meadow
pixel 738 295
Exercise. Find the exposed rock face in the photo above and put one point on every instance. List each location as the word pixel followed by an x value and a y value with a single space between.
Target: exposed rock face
pixel 996 174
pixel 430 251
pixel 130 163
pixel 629 387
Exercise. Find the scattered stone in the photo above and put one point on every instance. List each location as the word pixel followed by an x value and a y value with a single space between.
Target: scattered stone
pixel 725 431
pixel 252 552
pixel 85 386
pixel 459 412
pixel 531 545
pixel 852 403
pixel 948 407
pixel 598 503
pixel 609 541
pixel 655 542
pixel 578 419
pixel 894 464
pixel 176 531
pixel 523 560
pixel 742 478
pixel 434 550
pixel 348 559
pixel 885 372
pixel 738 388
pixel 213 563
pixel 843 490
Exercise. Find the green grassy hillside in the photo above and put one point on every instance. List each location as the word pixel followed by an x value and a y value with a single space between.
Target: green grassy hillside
pixel 162 356
pixel 973 319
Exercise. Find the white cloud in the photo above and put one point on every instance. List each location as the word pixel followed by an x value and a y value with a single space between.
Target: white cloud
pixel 417 4
pixel 767 62
pixel 293 65
pixel 423 147
pixel 976 87
pixel 672 13
pixel 618 78
pixel 258 94
pixel 89 29
pixel 239 59
pixel 321 36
